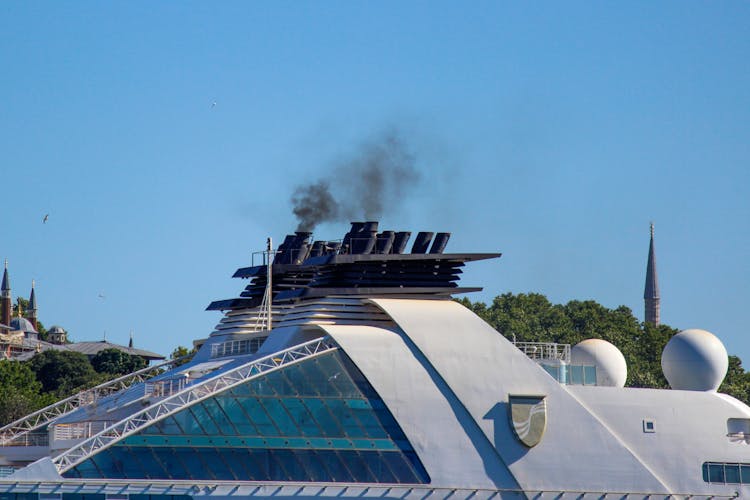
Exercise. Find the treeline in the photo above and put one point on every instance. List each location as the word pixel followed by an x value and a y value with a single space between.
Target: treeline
pixel 531 317
pixel 26 386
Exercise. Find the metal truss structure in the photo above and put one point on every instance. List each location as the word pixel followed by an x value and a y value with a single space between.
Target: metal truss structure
pixel 187 397
pixel 14 431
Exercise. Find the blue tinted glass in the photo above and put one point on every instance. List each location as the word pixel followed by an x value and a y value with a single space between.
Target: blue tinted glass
pixel 237 416
pixel 378 467
pixel 152 467
pixel 215 464
pixel 745 473
pixel 345 417
pixel 204 419
pixel 357 466
pixel 589 375
pixel 576 374
pixel 732 473
pixel 280 417
pixel 79 496
pixel 329 426
pixel 301 417
pixel 217 414
pixel 258 416
pixel 400 467
pixel 716 473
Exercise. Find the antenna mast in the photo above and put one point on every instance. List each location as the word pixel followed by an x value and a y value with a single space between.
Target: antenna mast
pixel 269 286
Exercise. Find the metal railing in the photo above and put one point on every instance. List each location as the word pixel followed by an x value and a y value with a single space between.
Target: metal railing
pixel 545 350
pixel 29 439
pixel 187 397
pixel 78 430
pixel 14 430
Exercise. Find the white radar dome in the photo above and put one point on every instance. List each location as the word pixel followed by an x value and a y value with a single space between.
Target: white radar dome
pixel 694 360
pixel 611 369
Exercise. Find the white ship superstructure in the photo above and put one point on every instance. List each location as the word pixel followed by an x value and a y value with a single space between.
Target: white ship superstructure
pixel 374 383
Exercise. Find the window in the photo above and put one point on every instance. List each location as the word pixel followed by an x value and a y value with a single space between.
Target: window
pixel 726 473
pixel 237 347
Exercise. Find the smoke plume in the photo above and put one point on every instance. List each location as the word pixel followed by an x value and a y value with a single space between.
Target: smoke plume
pixel 372 179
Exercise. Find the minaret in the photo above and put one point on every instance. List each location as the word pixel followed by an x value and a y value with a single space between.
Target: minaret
pixel 32 306
pixel 651 291
pixel 7 305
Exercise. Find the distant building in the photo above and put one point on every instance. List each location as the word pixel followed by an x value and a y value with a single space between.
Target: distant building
pixel 19 338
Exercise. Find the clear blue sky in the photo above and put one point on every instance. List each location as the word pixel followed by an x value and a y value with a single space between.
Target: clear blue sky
pixel 550 131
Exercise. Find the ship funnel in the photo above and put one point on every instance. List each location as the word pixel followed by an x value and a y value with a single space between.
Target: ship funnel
pixel 422 243
pixel 299 247
pixel 400 241
pixel 384 242
pixel 361 239
pixel 441 240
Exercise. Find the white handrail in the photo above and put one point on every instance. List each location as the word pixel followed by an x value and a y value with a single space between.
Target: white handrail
pixel 189 396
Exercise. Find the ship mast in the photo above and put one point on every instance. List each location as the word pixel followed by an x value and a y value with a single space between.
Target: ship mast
pixel 269 286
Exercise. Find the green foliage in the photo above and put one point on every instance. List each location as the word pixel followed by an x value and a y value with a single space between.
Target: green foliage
pixel 532 318
pixel 182 352
pixel 63 372
pixel 20 391
pixel 116 362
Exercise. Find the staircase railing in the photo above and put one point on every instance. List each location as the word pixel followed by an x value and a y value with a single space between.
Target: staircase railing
pixel 189 396
pixel 12 432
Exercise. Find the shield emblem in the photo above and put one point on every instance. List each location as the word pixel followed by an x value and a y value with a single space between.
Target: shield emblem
pixel 528 417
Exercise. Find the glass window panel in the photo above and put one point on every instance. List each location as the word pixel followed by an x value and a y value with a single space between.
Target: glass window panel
pixel 399 466
pixel 292 466
pixel 204 419
pixel 237 416
pixel 169 426
pixel 589 375
pixel 187 422
pixel 122 458
pixel 222 422
pixel 576 374
pixel 378 467
pixel 215 464
pixel 732 473
pixel 279 383
pixel 319 410
pixel 280 417
pixel 276 465
pixel 705 472
pixel 359 470
pixel 716 473
pixel 88 469
pixel 152 467
pixel 304 420
pixel 417 465
pixel 390 425
pixel 259 417
pixel 745 473
pixel 307 379
pixel 315 467
pixel 346 419
pixel 336 468
pixel 369 422
pixel 110 462
pixel 236 463
pixel 194 466
pixel 258 464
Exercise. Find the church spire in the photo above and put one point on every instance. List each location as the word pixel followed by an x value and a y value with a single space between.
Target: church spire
pixel 651 290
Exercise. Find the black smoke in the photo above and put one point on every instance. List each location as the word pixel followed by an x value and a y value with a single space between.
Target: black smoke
pixel 373 179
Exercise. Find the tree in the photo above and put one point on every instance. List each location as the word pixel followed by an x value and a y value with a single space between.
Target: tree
pixel 182 352
pixel 20 391
pixel 116 362
pixel 63 372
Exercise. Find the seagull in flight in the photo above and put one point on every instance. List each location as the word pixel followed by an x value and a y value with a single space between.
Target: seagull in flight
pixel 213 104
pixel 46 216
pixel 101 296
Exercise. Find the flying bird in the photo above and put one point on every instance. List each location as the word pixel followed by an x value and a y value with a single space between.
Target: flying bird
pixel 213 104
pixel 101 296
pixel 46 216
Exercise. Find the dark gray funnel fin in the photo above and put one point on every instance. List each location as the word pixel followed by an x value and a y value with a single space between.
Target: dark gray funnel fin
pixel 384 242
pixel 300 247
pixel 441 239
pixel 422 243
pixel 354 232
pixel 400 241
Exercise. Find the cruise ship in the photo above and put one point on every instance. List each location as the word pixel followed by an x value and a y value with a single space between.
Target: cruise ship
pixel 345 369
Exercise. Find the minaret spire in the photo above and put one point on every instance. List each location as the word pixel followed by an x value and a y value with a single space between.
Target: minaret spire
pixel 32 307
pixel 7 305
pixel 651 290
